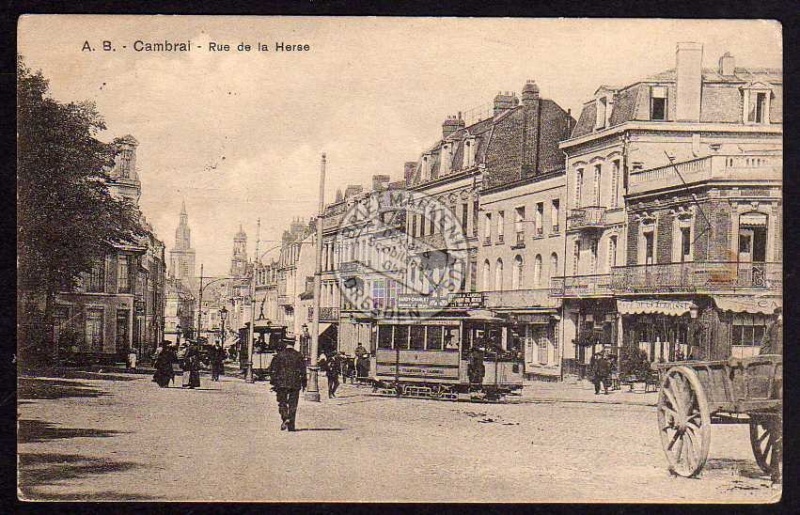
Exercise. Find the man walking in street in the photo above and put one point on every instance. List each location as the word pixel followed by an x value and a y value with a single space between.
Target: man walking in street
pixel 287 374
pixel 602 373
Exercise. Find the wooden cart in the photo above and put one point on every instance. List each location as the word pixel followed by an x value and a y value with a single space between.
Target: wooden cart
pixel 696 394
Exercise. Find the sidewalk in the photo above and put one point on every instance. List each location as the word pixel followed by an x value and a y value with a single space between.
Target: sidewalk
pixel 583 391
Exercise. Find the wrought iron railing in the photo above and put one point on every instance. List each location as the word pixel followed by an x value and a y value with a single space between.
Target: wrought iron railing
pixel 698 276
pixel 597 285
pixel 536 297
pixel 329 314
pixel 586 218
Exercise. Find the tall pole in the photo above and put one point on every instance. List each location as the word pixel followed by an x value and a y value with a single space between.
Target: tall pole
pixel 250 337
pixel 312 392
pixel 200 304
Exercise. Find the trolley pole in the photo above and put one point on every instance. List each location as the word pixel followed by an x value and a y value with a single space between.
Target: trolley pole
pixel 312 391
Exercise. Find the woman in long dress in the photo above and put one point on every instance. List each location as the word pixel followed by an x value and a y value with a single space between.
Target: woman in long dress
pixel 164 371
pixel 191 366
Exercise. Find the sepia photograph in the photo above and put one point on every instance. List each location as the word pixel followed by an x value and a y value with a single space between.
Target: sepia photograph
pixel 399 259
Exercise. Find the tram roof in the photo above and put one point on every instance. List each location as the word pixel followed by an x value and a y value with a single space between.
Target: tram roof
pixel 478 315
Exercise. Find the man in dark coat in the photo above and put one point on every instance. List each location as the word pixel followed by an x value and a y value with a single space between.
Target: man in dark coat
pixel 333 370
pixel 475 367
pixel 772 343
pixel 216 355
pixel 287 374
pixel 602 373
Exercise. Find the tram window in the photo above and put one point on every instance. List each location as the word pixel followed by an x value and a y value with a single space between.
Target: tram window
pixel 417 337
pixel 401 336
pixel 452 338
pixel 434 337
pixel 384 337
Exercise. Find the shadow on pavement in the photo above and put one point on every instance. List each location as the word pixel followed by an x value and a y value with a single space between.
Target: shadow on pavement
pixel 37 431
pixel 744 468
pixel 36 470
pixel 80 374
pixel 319 429
pixel 28 388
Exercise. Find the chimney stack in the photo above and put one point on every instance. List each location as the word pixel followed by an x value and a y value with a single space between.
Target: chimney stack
pixel 379 182
pixel 530 93
pixel 451 125
pixel 727 65
pixel 409 169
pixel 504 102
pixel 688 81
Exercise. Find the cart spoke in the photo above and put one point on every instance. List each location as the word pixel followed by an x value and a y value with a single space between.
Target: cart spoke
pixel 671 398
pixel 674 439
pixel 763 437
pixel 679 452
pixel 691 453
pixel 671 413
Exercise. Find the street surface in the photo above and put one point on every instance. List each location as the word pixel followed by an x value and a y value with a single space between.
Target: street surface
pixel 120 437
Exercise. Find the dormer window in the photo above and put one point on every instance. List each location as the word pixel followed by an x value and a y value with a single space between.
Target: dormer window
pixel 603 105
pixel 658 103
pixel 469 152
pixel 756 103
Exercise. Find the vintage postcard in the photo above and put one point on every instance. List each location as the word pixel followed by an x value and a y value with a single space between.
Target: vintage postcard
pixel 295 259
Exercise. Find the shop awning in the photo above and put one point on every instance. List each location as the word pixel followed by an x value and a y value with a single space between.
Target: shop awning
pixel 323 326
pixel 748 304
pixel 674 308
pixel 753 220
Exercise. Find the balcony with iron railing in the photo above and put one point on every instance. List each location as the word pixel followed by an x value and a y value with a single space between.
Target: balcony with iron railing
pixel 745 167
pixel 698 276
pixel 590 217
pixel 597 285
pixel 530 298
pixel 520 241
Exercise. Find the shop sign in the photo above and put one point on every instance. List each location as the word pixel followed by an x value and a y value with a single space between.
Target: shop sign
pixel 531 318
pixel 467 300
pixel 651 306
pixel 470 300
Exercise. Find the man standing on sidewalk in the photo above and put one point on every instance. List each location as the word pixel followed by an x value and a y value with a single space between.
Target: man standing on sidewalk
pixel 602 373
pixel 287 374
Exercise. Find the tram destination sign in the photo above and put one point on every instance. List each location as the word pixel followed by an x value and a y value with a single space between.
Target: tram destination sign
pixel 453 300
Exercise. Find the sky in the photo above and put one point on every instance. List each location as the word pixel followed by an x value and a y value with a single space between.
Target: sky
pixel 238 135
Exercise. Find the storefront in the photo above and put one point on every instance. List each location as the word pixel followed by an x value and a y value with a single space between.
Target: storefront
pixel 536 335
pixel 662 328
pixel 704 327
pixel 596 328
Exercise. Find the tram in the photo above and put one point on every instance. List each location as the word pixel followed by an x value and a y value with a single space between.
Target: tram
pixel 431 357
pixel 265 346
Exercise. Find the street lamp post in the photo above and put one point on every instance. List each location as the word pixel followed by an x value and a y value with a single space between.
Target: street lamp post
pixel 223 315
pixel 312 391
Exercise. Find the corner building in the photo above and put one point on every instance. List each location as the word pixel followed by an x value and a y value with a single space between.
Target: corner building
pixel 668 179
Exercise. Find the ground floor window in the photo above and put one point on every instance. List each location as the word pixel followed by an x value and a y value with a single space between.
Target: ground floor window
pixel 94 330
pixel 747 333
pixel 662 337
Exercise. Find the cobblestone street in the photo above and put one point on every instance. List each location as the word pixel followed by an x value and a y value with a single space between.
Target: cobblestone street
pixel 103 436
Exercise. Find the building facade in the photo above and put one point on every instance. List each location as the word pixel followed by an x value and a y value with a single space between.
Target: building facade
pixel 620 174
pixel 119 303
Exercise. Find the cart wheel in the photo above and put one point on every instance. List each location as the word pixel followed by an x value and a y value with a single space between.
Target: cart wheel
pixel 766 438
pixel 684 422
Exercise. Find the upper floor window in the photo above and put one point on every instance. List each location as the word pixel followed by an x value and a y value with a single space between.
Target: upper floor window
pixel 603 112
pixel 519 219
pixel 501 220
pixel 487 227
pixel 612 252
pixel 96 281
pixel 756 103
pixel 537 271
pixel 578 187
pixel 516 281
pixel 598 173
pixel 576 257
pixel 615 169
pixel 555 208
pixel 123 274
pixel 658 103
pixel 539 218
pixel 498 275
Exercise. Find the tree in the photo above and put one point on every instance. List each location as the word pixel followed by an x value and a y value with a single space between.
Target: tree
pixel 67 219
